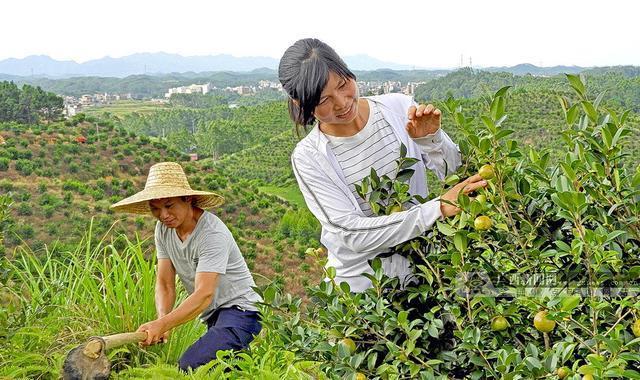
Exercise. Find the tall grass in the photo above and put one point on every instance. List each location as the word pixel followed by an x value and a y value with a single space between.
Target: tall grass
pixel 54 300
pixel 63 298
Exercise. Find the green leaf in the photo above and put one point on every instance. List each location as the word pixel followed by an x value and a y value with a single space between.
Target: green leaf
pixel 617 136
pixel 596 103
pixel 630 374
pixel 460 241
pixel 403 317
pixel 614 234
pixel 375 196
pixel 578 85
pixel 403 151
pixel 586 370
pixel 489 124
pixel 371 361
pixel 564 103
pixel 503 133
pixel 408 162
pixel 572 114
pixel 375 180
pixel 502 91
pixel 590 110
pixel 497 108
pixel 485 145
pixel 635 182
pixel 523 186
pixel 331 272
pixel 404 175
pixel 269 295
pixel 563 246
pixel 532 363
pixel 569 303
pixel 452 180
pixel 568 171
pixel 456 258
pixel 445 229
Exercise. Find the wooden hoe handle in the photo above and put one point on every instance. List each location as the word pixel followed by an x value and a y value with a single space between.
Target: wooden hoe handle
pixel 94 347
pixel 118 340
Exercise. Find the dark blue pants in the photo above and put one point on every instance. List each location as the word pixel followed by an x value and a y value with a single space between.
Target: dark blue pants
pixel 229 329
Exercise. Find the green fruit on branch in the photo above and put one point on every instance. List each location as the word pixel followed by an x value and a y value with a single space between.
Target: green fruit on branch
pixel 349 345
pixel 482 223
pixel 361 376
pixel 542 323
pixel 563 372
pixel 481 198
pixel 499 323
pixel 486 172
pixel 636 328
pixel 395 208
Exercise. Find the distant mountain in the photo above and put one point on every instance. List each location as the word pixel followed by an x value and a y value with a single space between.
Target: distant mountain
pixel 161 63
pixel 142 63
pixel 527 68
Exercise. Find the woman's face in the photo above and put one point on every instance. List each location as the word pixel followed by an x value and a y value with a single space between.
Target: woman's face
pixel 338 101
pixel 172 212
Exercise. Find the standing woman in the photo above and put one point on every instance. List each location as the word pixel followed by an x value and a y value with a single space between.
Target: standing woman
pixel 350 136
pixel 197 246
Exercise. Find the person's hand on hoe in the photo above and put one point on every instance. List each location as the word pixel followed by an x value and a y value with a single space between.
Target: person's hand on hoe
pixel 155 333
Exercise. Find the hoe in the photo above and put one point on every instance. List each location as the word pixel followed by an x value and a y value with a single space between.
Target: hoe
pixel 88 361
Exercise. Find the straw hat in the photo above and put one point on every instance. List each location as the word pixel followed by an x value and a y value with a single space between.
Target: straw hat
pixel 166 180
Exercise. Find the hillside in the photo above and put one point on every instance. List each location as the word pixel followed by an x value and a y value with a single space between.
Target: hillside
pixel 62 175
pixel 621 83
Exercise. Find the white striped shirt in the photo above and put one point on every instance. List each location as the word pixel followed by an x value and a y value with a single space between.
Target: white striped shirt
pixel 374 146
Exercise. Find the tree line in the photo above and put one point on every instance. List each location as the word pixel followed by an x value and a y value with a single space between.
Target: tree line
pixel 28 104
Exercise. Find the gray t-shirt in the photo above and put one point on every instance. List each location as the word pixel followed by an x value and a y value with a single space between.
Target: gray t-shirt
pixel 209 248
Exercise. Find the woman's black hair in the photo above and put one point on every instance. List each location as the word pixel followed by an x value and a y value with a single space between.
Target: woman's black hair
pixel 304 71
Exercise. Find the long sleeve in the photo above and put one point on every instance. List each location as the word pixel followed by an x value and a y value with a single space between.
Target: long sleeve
pixel 440 153
pixel 344 225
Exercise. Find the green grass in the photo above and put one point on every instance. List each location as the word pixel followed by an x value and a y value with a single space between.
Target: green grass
pixel 53 301
pixel 291 194
pixel 125 107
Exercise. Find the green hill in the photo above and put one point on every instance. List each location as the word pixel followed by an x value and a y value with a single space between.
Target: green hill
pixel 60 176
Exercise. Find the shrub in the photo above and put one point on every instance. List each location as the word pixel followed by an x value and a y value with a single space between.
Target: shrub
pixel 24 209
pixel 24 167
pixel 563 232
pixel 73 167
pixel 4 164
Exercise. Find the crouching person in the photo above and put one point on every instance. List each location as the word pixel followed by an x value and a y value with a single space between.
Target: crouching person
pixel 197 246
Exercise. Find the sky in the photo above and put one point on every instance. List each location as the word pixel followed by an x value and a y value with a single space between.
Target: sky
pixel 425 34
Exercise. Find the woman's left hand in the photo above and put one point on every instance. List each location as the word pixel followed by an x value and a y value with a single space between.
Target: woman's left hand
pixel 423 120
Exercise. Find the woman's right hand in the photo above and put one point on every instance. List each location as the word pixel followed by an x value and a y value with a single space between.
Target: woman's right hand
pixel 449 199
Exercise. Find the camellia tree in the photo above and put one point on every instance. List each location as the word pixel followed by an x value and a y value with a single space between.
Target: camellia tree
pixel 535 278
